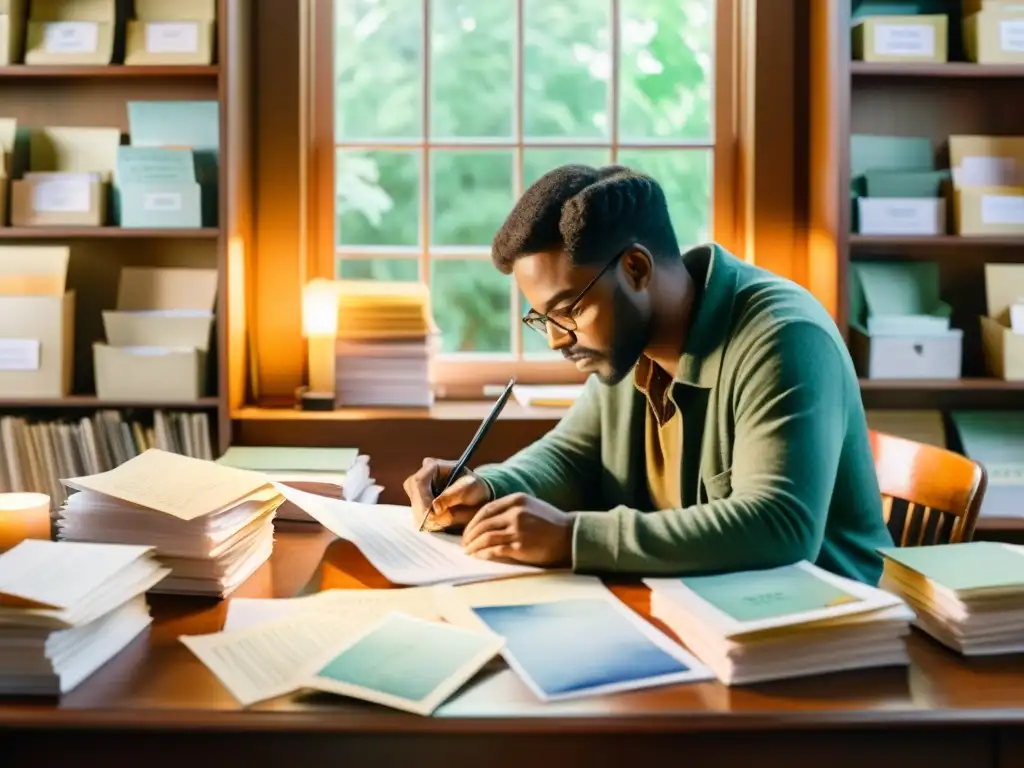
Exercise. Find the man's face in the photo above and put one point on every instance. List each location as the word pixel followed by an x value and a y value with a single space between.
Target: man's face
pixel 608 328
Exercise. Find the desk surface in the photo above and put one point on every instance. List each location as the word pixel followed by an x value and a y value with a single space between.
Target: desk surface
pixel 156 683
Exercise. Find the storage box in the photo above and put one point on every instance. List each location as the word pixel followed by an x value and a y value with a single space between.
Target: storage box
pixel 995 36
pixel 158 337
pixel 901 216
pixel 12 28
pixel 901 38
pixel 900 326
pixel 1004 349
pixel 8 134
pixel 37 320
pixel 172 32
pixel 987 188
pixel 157 188
pixel 70 32
pixel 68 179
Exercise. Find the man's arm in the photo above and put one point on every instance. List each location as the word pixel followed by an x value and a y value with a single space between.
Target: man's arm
pixel 790 423
pixel 561 466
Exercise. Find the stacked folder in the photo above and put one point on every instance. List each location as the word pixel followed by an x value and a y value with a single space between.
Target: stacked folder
pixel 385 344
pixel 212 525
pixel 791 621
pixel 66 609
pixel 969 597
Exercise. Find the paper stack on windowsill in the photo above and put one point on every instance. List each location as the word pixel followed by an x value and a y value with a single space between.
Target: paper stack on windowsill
pixel 969 597
pixel 66 609
pixel 211 525
pixel 340 473
pixel 783 622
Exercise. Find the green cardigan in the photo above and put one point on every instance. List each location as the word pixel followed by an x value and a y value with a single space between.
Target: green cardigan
pixel 776 462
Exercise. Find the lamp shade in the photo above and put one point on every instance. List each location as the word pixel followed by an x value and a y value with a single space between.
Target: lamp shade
pixel 320 308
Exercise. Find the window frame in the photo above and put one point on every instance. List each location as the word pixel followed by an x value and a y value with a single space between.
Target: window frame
pixel 465 375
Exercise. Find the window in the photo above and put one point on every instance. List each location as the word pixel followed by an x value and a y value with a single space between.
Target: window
pixel 445 110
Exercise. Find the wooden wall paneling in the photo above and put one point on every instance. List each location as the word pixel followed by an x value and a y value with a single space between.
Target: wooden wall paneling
pixel 236 258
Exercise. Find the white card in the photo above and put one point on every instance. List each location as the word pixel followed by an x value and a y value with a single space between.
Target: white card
pixel 19 354
pixel 162 201
pixel 66 193
pixel 905 40
pixel 1017 316
pixel 172 37
pixel 1011 35
pixel 71 37
pixel 1002 209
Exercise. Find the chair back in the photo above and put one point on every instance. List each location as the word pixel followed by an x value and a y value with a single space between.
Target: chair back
pixel 929 495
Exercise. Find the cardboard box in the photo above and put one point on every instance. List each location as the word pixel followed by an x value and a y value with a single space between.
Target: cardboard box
pixel 994 37
pixel 157 187
pixel 901 216
pixel 70 32
pixel 900 326
pixel 1004 349
pixel 8 134
pixel 12 31
pixel 923 38
pixel 158 337
pixel 987 187
pixel 68 179
pixel 171 32
pixel 37 322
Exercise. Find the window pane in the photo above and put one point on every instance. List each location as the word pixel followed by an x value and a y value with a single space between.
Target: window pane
pixel 401 270
pixel 378 47
pixel 686 177
pixel 666 69
pixel 472 304
pixel 471 195
pixel 378 198
pixel 566 68
pixel 537 162
pixel 535 343
pixel 472 84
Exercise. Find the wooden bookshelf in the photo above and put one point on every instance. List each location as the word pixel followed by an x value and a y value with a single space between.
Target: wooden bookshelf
pixel 933 100
pixel 97 96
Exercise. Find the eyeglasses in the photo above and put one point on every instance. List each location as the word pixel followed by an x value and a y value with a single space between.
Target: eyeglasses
pixel 563 318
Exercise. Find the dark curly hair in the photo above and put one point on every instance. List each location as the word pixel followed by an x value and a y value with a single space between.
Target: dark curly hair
pixel 590 213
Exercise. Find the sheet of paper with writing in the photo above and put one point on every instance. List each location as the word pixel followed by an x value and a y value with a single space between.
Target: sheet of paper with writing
pixel 387 537
pixel 264 661
pixel 176 485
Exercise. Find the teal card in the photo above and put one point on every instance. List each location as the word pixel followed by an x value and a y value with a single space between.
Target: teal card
pixel 961 567
pixel 289 459
pixel 142 165
pixel 406 659
pixel 192 124
pixel 758 595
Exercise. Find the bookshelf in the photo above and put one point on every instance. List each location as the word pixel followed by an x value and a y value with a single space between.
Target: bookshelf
pixel 934 100
pixel 97 96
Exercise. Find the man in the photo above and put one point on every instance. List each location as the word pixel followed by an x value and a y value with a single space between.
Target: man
pixel 722 429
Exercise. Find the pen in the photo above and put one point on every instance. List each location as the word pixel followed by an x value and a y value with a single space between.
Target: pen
pixel 460 465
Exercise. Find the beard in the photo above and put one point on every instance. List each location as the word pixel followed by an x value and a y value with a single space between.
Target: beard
pixel 632 335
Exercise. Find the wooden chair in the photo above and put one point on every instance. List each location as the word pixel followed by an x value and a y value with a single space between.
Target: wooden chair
pixel 929 495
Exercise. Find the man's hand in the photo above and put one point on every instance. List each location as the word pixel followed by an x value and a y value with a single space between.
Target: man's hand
pixel 521 528
pixel 451 509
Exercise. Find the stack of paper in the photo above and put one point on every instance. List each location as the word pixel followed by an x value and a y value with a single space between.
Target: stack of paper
pixel 66 609
pixel 211 524
pixel 783 622
pixel 385 344
pixel 337 472
pixel 969 597
pixel 993 438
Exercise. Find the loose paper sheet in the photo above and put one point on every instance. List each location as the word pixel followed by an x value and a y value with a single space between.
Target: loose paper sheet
pixel 263 661
pixel 387 537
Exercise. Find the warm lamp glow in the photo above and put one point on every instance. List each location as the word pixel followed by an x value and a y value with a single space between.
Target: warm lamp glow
pixel 320 326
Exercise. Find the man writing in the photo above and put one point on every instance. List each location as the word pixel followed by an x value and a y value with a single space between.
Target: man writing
pixel 722 429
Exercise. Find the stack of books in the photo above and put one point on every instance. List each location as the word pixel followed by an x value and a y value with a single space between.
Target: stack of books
pixel 385 344
pixel 791 621
pixel 340 473
pixel 210 524
pixel 67 609
pixel 969 597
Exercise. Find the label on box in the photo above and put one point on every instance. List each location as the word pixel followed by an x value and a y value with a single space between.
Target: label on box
pixel 899 216
pixel 62 194
pixel 1011 35
pixel 986 171
pixel 1004 473
pixel 71 37
pixel 178 37
pixel 1017 316
pixel 905 40
pixel 19 354
pixel 162 201
pixel 1002 209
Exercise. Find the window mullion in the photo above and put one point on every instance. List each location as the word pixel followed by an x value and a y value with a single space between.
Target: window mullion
pixel 518 160
pixel 426 185
pixel 615 45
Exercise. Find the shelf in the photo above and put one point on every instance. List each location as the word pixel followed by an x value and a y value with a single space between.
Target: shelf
pixel 929 394
pixel 445 410
pixel 954 69
pixel 936 241
pixel 91 401
pixel 112 71
pixel 99 233
pixel 957 385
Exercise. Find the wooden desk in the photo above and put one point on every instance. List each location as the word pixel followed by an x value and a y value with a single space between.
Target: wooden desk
pixel 156 705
